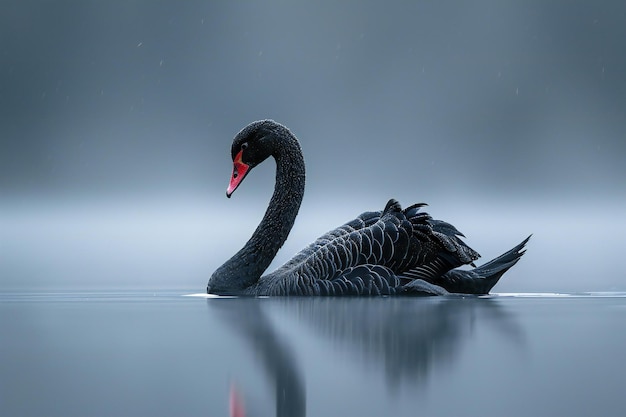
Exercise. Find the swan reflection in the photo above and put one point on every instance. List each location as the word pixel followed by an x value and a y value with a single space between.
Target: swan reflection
pixel 247 317
pixel 403 340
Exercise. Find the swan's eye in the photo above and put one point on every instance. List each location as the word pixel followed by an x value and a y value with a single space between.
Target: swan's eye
pixel 244 145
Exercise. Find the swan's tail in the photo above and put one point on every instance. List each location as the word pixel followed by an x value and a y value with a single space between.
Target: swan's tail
pixel 481 280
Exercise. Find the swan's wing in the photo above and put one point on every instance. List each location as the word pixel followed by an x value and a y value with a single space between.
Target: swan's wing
pixel 436 248
pixel 374 238
pixel 408 244
pixel 336 239
pixel 364 280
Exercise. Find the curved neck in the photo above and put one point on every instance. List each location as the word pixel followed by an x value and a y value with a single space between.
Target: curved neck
pixel 281 212
pixel 246 266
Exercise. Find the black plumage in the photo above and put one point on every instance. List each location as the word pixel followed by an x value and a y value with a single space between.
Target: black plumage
pixel 394 251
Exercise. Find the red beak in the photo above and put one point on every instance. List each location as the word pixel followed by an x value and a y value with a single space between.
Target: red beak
pixel 239 172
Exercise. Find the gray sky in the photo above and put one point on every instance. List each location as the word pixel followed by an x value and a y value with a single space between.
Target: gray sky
pixel 146 96
pixel 458 102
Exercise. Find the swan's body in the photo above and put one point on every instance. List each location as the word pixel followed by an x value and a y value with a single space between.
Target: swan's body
pixel 388 252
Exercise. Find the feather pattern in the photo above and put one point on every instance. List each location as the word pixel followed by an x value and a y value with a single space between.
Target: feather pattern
pixel 393 251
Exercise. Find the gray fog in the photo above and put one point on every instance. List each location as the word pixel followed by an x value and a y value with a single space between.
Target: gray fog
pixel 507 118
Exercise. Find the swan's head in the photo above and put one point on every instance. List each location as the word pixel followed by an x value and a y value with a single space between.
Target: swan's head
pixel 253 145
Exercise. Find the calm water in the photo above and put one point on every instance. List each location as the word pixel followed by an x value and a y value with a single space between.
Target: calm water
pixel 167 354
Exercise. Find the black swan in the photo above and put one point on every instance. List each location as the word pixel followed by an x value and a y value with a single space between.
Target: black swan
pixel 388 252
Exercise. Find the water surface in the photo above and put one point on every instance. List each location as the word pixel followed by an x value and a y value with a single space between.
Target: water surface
pixel 163 354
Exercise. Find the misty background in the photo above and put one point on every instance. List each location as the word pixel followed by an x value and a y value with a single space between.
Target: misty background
pixel 508 118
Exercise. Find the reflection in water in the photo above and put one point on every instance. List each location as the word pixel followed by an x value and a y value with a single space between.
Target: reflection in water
pixel 406 338
pixel 246 317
